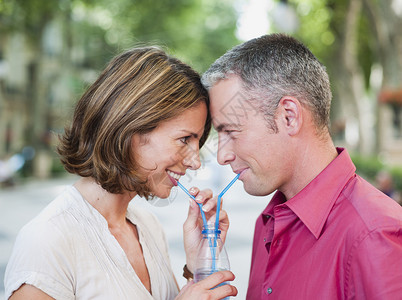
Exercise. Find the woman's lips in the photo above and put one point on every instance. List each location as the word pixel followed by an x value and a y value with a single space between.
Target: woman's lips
pixel 174 177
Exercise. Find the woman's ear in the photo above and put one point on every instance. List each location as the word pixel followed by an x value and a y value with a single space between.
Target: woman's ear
pixel 292 114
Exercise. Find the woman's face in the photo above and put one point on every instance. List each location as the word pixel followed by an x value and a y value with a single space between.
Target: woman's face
pixel 170 149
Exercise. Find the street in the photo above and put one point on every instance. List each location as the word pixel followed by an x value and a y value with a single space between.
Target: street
pixel 21 203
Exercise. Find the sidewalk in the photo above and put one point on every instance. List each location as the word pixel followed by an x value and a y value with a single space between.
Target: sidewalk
pixel 21 203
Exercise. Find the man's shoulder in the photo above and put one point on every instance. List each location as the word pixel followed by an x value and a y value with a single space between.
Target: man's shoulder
pixel 371 207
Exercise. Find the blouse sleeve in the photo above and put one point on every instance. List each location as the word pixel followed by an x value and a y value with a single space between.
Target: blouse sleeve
pixel 42 257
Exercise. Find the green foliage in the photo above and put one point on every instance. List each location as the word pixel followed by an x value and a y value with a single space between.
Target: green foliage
pixel 57 168
pixel 366 41
pixel 369 167
pixel 197 31
pixel 396 173
pixel 26 16
pixel 315 27
pixel 322 26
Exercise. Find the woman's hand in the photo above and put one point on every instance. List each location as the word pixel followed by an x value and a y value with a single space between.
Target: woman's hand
pixel 206 289
pixel 192 227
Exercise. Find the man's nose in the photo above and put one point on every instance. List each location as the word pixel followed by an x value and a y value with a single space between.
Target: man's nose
pixel 225 152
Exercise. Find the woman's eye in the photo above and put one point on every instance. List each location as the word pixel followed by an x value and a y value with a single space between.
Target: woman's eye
pixel 184 139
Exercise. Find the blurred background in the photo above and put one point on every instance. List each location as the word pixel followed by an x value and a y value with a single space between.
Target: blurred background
pixel 51 50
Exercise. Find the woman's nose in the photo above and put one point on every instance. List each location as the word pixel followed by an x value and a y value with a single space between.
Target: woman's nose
pixel 192 158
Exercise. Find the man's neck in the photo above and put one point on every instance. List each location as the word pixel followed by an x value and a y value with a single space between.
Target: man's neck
pixel 312 158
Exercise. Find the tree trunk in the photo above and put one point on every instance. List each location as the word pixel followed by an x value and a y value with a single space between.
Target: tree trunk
pixel 350 82
pixel 385 25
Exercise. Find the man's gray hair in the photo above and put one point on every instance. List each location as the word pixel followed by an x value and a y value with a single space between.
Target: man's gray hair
pixel 273 66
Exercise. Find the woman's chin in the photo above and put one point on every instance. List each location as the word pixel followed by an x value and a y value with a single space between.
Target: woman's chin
pixel 163 194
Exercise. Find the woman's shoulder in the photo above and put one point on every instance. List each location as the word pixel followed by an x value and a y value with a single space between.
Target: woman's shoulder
pixel 43 251
pixel 55 221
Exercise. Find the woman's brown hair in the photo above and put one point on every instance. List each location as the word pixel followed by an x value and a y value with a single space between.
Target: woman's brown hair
pixel 137 91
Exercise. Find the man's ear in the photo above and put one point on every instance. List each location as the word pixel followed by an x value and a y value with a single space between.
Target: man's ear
pixel 292 114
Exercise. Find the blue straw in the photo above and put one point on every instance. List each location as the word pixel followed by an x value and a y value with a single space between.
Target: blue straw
pixel 204 219
pixel 218 207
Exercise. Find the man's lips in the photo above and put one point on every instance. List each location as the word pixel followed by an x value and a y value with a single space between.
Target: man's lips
pixel 240 171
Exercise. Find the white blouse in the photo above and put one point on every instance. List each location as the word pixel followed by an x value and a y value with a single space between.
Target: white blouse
pixel 68 252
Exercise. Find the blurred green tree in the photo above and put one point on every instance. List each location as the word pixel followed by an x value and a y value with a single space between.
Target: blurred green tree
pixel 63 44
pixel 357 40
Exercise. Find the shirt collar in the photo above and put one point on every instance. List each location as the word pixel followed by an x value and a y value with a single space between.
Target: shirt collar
pixel 277 199
pixel 314 202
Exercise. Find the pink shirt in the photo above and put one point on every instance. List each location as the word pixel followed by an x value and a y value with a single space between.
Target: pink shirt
pixel 338 238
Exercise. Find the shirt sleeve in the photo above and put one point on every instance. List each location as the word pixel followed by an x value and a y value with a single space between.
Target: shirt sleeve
pixel 41 257
pixel 375 270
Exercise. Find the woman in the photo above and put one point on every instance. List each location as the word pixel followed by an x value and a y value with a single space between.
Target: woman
pixel 135 131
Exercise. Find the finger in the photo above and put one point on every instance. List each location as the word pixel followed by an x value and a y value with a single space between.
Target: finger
pixel 224 219
pixel 194 191
pixel 210 204
pixel 187 286
pixel 223 291
pixel 203 195
pixel 193 210
pixel 223 224
pixel 216 279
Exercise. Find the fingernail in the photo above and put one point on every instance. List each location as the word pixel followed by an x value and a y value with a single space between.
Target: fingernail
pixel 192 190
pixel 198 198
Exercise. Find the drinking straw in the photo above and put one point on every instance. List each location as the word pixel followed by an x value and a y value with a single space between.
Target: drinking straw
pixel 204 219
pixel 218 207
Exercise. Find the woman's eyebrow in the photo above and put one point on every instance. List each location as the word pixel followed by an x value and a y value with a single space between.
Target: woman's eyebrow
pixel 194 134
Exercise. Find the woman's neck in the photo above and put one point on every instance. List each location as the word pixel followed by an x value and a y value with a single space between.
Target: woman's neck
pixel 112 207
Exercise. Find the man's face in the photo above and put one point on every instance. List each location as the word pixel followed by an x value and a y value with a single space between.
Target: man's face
pixel 245 140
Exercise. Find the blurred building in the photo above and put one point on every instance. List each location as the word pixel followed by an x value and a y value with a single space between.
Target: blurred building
pixel 390 125
pixel 39 84
pixel 40 80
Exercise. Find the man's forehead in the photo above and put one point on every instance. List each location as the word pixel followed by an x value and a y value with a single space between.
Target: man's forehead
pixel 233 111
pixel 225 89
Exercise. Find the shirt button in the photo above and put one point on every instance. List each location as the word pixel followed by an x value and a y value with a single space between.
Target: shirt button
pixel 265 239
pixel 269 290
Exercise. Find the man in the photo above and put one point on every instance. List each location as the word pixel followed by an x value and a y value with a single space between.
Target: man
pixel 326 233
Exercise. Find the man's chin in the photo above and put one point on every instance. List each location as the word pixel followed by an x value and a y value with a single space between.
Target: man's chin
pixel 255 190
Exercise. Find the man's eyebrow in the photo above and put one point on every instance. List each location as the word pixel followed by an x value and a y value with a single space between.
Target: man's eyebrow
pixel 223 126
